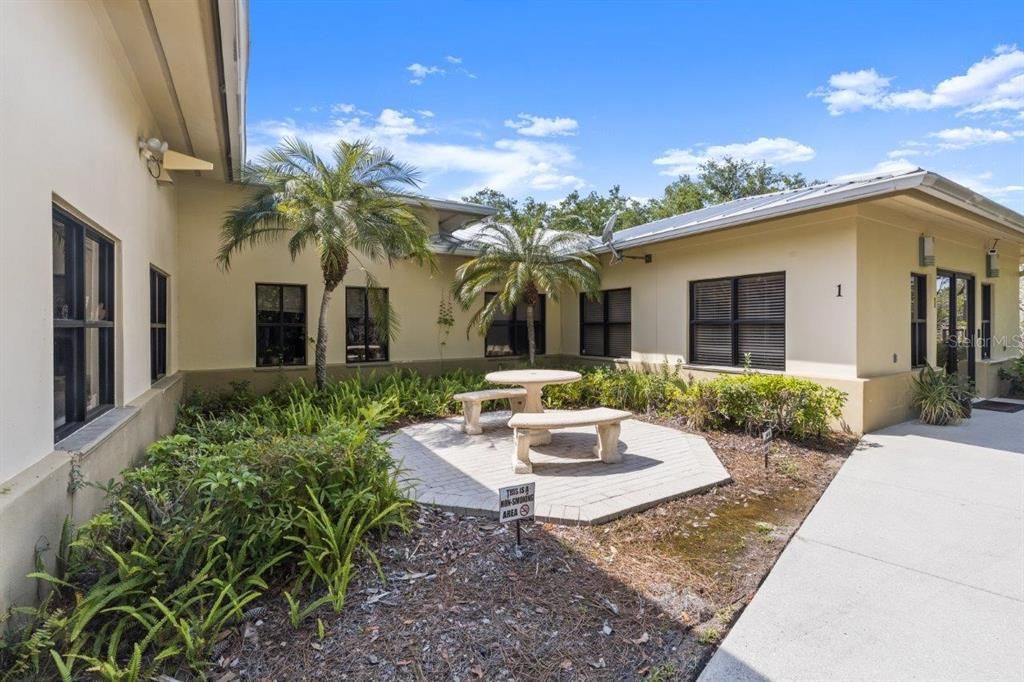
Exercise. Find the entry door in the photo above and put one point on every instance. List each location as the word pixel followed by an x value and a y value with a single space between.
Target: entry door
pixel 954 307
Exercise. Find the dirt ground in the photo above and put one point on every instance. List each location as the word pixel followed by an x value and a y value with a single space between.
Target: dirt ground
pixel 648 596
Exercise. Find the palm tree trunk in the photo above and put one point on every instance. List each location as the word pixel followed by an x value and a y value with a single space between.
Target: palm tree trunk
pixel 531 340
pixel 321 337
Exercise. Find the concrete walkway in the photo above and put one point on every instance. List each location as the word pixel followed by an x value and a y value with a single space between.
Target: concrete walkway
pixel 910 567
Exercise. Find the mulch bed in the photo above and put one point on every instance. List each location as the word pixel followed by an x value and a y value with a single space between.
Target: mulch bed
pixel 648 596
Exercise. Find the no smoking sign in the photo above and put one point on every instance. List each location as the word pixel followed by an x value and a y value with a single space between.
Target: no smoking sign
pixel 515 502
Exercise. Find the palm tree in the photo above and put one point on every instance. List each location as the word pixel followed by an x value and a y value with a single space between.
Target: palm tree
pixel 355 204
pixel 523 260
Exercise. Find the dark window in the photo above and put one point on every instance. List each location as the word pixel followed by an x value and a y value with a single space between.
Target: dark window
pixel 157 324
pixel 605 324
pixel 738 318
pixel 918 320
pixel 83 324
pixel 280 325
pixel 986 321
pixel 365 337
pixel 507 333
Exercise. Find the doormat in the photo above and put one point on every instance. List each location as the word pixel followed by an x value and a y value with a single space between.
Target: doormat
pixel 998 406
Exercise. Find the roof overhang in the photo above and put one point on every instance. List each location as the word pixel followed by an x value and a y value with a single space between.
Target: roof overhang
pixel 800 201
pixel 452 215
pixel 190 60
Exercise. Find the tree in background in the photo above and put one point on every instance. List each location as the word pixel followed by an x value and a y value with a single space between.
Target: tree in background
pixel 522 260
pixel 716 182
pixel 354 204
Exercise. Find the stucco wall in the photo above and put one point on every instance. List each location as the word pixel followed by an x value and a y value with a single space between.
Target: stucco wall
pixel 70 114
pixel 816 251
pixel 887 252
pixel 218 324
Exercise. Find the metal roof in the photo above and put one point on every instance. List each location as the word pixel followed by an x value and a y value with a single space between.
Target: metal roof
pixel 452 215
pixel 790 201
pixel 764 206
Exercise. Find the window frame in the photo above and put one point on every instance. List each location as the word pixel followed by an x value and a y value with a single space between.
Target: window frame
pixel 73 329
pixel 280 324
pixel 919 322
pixel 985 321
pixel 366 322
pixel 605 324
pixel 513 323
pixel 735 322
pixel 158 314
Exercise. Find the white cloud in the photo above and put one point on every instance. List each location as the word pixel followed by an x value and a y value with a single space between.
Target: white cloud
pixel 961 138
pixel 994 83
pixel 420 72
pixel 508 165
pixel 982 184
pixel 903 153
pixel 538 126
pixel 773 150
pixel 342 108
pixel 425 113
pixel 888 167
pixel 453 60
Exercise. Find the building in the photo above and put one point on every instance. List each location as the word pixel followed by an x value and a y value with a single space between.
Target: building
pixel 853 285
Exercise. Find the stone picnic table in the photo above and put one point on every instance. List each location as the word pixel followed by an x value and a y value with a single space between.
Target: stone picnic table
pixel 534 381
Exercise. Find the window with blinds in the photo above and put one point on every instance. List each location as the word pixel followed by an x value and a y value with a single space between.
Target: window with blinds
pixel 507 335
pixel 736 318
pixel 606 328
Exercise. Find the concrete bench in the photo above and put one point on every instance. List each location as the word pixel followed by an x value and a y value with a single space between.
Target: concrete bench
pixel 471 404
pixel 607 421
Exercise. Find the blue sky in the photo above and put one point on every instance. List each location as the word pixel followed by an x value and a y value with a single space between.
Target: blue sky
pixel 542 98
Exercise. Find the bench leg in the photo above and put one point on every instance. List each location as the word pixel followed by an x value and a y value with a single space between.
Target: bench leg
pixel 521 464
pixel 608 443
pixel 517 404
pixel 471 410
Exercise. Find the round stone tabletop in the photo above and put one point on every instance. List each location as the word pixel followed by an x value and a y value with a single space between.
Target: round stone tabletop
pixel 524 377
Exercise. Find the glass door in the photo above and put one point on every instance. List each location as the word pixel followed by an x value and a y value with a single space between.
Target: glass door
pixel 954 308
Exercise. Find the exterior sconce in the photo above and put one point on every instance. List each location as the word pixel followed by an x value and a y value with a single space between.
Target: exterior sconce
pixel 992 263
pixel 926 249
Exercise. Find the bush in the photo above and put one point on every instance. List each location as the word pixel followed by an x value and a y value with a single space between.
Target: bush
pixel 195 535
pixel 655 392
pixel 941 398
pixel 756 402
pixel 1014 373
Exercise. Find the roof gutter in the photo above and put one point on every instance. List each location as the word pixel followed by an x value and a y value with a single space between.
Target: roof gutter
pixel 951 192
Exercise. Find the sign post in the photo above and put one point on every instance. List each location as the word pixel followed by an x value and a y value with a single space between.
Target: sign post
pixel 516 503
pixel 766 438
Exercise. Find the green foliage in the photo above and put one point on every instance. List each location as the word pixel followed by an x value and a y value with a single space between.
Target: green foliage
pixel 354 203
pixel 294 488
pixel 716 181
pixel 231 501
pixel 523 260
pixel 756 402
pixel 642 392
pixel 1014 373
pixel 941 398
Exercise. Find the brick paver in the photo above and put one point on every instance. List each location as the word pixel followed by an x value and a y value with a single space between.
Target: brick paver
pixel 454 471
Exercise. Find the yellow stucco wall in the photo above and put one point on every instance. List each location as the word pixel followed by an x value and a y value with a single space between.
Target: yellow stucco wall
pixel 70 113
pixel 817 252
pixel 218 324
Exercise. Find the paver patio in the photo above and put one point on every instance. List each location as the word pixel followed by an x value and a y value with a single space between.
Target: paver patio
pixel 462 473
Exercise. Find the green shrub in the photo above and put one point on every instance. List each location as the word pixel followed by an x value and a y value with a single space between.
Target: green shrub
pixel 194 535
pixel 941 398
pixel 756 402
pixel 1014 373
pixel 644 392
